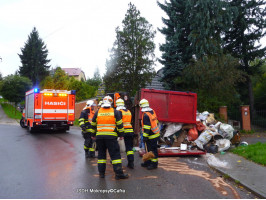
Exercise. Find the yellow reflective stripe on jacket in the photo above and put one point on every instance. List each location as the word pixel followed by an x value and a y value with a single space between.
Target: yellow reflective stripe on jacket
pixel 130 130
pixel 154 159
pixel 91 149
pixel 147 127
pixel 106 133
pixel 120 130
pixel 130 152
pixel 118 161
pixel 119 122
pixel 86 148
pixel 90 130
pixel 154 136
pixel 145 135
pixel 102 161
pixel 93 123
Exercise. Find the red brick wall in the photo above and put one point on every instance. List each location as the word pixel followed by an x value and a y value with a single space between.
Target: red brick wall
pixel 245 112
pixel 223 113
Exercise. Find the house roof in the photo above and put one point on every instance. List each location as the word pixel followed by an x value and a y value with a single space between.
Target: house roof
pixel 156 83
pixel 73 71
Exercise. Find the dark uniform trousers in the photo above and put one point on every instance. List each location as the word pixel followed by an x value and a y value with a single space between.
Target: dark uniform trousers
pixel 114 152
pixel 152 146
pixel 88 143
pixel 129 147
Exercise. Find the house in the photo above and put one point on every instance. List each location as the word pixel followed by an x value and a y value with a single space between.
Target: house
pixel 77 73
pixel 156 83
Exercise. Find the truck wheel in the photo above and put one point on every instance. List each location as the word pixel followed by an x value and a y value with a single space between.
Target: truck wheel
pixel 30 129
pixel 22 124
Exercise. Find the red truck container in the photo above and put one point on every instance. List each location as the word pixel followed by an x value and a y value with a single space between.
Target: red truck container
pixel 170 106
pixel 48 109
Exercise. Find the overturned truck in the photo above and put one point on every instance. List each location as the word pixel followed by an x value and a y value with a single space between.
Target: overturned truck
pixel 175 110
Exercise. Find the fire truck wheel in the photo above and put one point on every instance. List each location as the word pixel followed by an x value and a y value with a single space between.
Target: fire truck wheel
pixel 22 123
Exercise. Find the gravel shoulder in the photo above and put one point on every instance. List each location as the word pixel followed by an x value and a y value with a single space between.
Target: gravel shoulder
pixel 4 119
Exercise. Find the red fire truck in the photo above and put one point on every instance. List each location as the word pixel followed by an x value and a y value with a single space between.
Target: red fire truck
pixel 48 109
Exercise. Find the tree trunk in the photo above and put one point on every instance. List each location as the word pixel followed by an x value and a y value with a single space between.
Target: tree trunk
pixel 251 97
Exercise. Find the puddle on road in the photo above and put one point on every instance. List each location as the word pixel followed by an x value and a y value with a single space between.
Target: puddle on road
pixel 172 164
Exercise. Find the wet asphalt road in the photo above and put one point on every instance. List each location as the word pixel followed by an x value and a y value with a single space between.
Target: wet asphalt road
pixel 52 165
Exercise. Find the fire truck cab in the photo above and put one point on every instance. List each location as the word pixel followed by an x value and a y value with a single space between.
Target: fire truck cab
pixel 48 109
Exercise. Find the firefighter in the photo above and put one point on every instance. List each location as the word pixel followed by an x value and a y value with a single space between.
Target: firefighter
pixel 151 133
pixel 128 129
pixel 108 123
pixel 99 105
pixel 85 119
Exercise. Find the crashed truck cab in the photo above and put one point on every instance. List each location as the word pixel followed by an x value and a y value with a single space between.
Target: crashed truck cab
pixel 48 109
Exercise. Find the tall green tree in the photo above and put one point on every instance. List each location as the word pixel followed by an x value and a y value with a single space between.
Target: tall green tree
pixel 34 59
pixel 193 29
pixel 130 66
pixel 176 51
pixel 242 39
pixel 14 87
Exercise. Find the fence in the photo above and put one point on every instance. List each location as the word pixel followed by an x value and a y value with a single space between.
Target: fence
pixel 258 120
pixel 234 117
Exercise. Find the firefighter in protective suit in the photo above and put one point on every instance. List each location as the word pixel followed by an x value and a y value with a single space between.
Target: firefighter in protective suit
pixel 85 119
pixel 151 133
pixel 108 123
pixel 128 129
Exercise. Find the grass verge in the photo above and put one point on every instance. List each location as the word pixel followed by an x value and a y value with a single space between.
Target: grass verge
pixel 254 152
pixel 10 111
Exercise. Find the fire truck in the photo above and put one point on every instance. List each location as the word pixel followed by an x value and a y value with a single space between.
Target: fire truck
pixel 48 109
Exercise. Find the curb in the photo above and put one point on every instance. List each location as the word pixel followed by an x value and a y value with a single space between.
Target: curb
pixel 253 190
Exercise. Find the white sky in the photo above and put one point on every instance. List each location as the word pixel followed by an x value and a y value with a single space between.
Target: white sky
pixel 78 33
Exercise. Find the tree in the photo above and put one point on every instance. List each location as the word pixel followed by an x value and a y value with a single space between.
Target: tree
pixel 130 66
pixel 96 80
pixel 214 78
pixel 176 51
pixel 59 81
pixel 14 87
pixel 34 59
pixel 240 41
pixel 193 29
pixel 260 85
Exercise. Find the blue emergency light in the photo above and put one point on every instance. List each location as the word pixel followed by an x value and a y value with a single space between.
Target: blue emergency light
pixel 36 90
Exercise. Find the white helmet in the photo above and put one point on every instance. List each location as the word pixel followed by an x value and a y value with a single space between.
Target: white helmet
pixel 144 103
pixel 107 101
pixel 120 102
pixel 90 103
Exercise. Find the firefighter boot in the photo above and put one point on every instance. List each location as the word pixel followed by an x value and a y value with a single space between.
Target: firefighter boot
pixel 146 163
pixel 102 175
pixel 101 169
pixel 130 164
pixel 119 174
pixel 153 165
pixel 87 155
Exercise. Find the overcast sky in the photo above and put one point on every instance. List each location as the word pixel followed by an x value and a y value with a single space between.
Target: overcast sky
pixel 78 33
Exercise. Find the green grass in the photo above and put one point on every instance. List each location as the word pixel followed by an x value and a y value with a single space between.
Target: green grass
pixel 247 132
pixel 76 122
pixel 10 111
pixel 254 152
